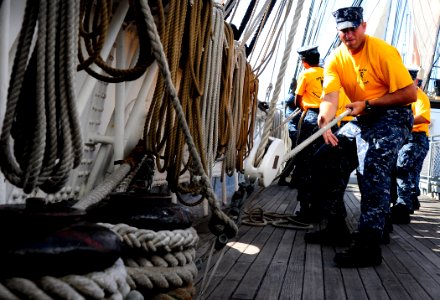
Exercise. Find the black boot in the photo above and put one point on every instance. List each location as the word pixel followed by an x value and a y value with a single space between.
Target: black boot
pixel 282 181
pixel 336 233
pixel 400 214
pixel 364 252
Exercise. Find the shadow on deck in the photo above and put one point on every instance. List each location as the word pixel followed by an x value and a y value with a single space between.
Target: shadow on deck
pixel 268 262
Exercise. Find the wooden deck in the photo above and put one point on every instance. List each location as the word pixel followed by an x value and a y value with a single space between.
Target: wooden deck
pixel 285 267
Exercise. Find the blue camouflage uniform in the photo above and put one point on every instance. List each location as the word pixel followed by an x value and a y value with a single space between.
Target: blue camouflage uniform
pixel 371 143
pixel 293 124
pixel 408 168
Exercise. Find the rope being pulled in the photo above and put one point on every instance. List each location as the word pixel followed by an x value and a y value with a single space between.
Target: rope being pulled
pixel 41 139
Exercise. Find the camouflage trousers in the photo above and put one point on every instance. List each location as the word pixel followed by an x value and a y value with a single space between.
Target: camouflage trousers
pixel 408 168
pixel 370 143
pixel 306 128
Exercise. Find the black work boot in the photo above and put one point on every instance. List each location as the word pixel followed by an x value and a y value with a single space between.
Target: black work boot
pixel 282 181
pixel 336 233
pixel 400 214
pixel 364 252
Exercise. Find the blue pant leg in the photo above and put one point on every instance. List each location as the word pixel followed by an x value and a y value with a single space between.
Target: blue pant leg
pixel 408 168
pixel 382 136
pixel 330 171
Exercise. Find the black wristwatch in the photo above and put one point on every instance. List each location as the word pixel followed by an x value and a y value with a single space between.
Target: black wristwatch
pixel 368 107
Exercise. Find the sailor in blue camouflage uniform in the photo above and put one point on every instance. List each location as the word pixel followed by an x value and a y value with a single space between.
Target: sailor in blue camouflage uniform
pixel 380 90
pixel 411 157
pixel 308 97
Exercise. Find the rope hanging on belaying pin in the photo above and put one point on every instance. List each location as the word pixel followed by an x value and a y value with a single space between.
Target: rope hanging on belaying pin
pixel 41 139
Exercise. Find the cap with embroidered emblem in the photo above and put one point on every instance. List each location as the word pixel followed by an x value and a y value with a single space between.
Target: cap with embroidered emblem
pixel 348 17
pixel 308 50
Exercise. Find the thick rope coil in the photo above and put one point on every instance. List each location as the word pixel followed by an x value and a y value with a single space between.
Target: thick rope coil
pixel 41 139
pixel 207 189
pixel 153 241
pixel 173 259
pixel 108 284
pixel 163 278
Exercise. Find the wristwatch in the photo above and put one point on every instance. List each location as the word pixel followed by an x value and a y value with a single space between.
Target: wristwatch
pixel 368 107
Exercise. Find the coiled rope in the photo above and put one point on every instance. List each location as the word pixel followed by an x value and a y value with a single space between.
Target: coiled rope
pixel 165 259
pixel 229 226
pixel 107 284
pixel 41 124
pixel 211 97
pixel 96 14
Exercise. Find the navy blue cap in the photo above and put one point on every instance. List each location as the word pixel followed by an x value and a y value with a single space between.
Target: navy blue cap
pixel 348 17
pixel 308 50
pixel 413 71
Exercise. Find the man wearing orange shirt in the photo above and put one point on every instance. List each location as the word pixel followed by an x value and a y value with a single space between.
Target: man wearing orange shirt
pixel 308 93
pixel 380 89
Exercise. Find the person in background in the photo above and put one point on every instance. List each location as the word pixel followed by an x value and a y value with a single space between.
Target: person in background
pixel 380 89
pixel 411 157
pixel 293 130
pixel 308 93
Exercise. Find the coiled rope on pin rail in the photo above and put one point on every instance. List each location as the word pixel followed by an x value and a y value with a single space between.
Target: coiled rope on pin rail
pixel 224 224
pixel 41 139
pixel 96 14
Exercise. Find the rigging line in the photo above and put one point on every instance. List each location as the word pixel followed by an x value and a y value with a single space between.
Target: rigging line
pixel 260 28
pixel 231 5
pixel 268 42
pixel 321 13
pixel 244 22
pixel 259 70
pixel 260 150
pixel 255 22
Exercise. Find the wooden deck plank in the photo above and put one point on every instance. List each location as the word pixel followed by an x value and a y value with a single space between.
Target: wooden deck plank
pixel 255 274
pixel 313 275
pixel 272 282
pixel 294 278
pixel 333 281
pixel 287 268
pixel 353 284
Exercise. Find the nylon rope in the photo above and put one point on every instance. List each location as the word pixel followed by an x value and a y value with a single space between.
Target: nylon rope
pixel 207 190
pixel 284 63
pixel 211 97
pixel 44 135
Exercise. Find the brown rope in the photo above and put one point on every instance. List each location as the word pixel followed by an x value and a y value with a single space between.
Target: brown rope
pixel 225 112
pixel 162 132
pixel 94 39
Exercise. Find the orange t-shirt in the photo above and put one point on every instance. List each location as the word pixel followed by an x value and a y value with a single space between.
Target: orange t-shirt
pixel 422 107
pixel 369 74
pixel 310 87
